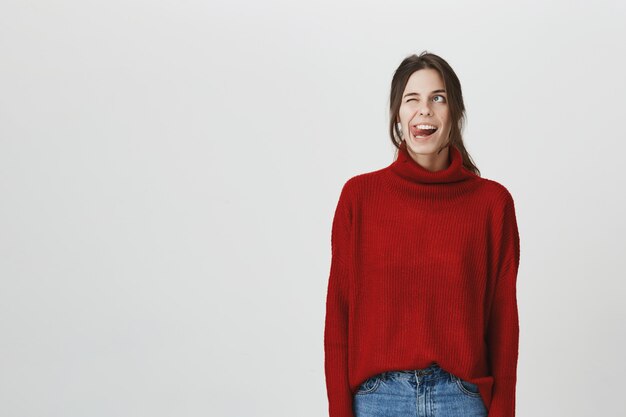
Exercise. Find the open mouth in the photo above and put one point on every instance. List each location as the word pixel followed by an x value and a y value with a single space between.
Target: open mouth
pixel 423 131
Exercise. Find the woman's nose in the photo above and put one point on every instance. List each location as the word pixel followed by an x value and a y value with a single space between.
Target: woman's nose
pixel 424 109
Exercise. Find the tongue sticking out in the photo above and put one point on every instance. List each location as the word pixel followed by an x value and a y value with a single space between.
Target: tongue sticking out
pixel 424 132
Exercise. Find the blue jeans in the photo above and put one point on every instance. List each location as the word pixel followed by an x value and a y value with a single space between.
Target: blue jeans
pixel 424 392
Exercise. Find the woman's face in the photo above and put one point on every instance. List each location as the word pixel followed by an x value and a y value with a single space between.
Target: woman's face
pixel 425 102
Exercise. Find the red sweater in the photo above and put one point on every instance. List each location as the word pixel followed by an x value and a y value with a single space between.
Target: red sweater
pixel 424 269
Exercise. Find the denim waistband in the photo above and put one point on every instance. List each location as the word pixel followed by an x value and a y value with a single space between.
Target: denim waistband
pixel 433 371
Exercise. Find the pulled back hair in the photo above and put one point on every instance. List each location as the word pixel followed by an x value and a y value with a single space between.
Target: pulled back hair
pixel 452 85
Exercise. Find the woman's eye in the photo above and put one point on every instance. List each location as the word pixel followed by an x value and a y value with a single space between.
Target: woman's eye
pixel 438 95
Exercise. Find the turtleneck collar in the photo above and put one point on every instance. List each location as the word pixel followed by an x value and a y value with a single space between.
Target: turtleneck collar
pixel 407 168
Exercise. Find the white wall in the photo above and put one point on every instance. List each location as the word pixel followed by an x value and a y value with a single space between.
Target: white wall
pixel 169 171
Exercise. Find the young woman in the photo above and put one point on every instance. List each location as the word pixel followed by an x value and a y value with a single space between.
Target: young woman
pixel 421 309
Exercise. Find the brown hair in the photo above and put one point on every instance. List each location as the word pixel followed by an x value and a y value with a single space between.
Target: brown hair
pixel 452 85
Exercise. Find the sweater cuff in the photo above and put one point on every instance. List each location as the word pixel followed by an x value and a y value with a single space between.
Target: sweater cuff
pixel 340 399
pixel 503 398
pixel 340 404
pixel 336 344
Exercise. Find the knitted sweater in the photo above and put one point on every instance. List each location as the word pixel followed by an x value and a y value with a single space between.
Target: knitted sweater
pixel 423 269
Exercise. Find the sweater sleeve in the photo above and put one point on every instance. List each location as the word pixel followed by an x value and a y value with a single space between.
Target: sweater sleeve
pixel 503 326
pixel 336 321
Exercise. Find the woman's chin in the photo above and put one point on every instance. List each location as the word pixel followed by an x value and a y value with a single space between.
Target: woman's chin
pixel 422 146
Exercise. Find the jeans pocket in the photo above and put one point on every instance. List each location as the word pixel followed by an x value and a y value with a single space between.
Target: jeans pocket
pixel 369 386
pixel 466 387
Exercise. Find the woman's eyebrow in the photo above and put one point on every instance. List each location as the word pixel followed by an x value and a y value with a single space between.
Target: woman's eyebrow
pixel 417 94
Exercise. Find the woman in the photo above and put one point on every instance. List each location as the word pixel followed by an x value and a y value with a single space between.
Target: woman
pixel 421 309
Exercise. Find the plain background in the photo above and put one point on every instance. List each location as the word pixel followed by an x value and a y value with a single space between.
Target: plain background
pixel 169 172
